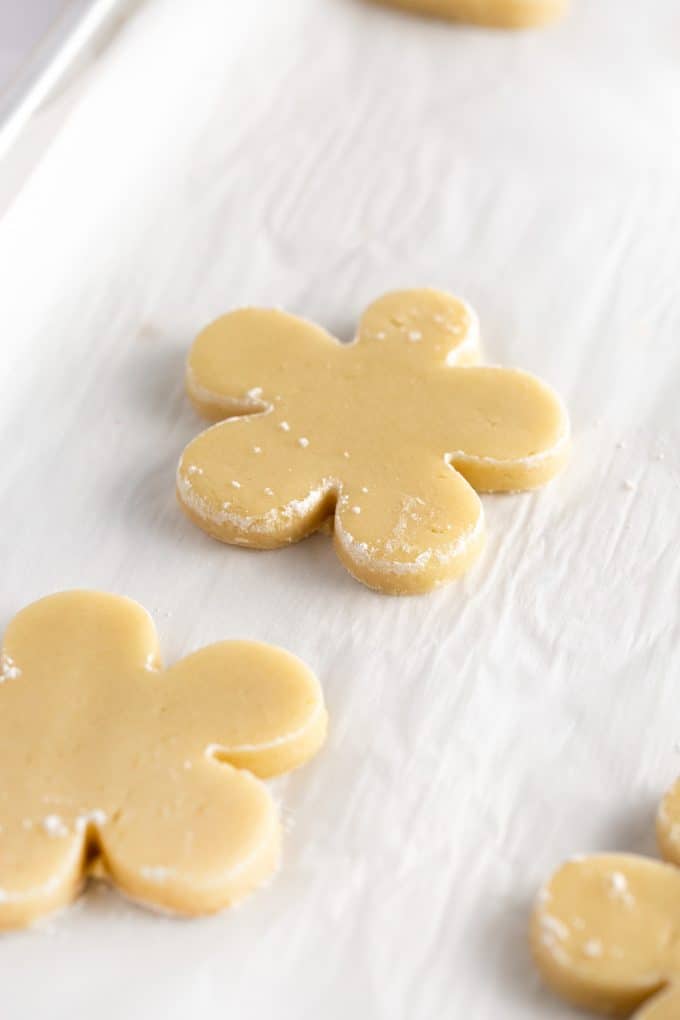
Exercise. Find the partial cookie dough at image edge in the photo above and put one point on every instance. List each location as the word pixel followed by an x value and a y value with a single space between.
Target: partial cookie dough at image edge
pixel 604 931
pixel 148 777
pixel 492 13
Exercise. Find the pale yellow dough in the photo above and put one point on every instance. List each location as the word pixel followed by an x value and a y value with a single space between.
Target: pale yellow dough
pixel 498 13
pixel 605 931
pixel 111 764
pixel 386 438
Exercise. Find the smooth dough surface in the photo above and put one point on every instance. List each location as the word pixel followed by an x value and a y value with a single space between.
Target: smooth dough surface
pixel 111 764
pixel 499 13
pixel 605 931
pixel 386 439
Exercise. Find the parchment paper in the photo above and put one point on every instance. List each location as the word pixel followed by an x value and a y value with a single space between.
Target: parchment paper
pixel 312 154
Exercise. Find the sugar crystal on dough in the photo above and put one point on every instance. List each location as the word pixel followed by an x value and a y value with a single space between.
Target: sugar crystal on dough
pixel 54 826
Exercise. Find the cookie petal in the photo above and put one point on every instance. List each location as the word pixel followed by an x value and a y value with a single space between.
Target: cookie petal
pixel 255 706
pixel 191 838
pixel 423 325
pixel 407 532
pixel 41 868
pixel 245 361
pixel 71 634
pixel 250 482
pixel 507 430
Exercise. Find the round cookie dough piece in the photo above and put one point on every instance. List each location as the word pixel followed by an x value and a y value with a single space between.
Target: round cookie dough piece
pixel 604 932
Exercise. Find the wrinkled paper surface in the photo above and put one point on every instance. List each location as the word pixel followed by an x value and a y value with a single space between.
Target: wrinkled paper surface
pixel 313 154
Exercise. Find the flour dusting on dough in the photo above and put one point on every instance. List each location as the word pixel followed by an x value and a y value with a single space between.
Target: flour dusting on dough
pixel 372 556
pixel 553 933
pixel 8 668
pixel 593 949
pixel 264 523
pixel 151 664
pixel 619 889
pixel 55 826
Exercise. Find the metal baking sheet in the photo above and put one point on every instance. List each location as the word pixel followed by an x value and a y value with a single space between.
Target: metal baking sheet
pixel 40 41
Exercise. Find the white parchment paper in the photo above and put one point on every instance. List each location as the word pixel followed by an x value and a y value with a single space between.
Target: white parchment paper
pixel 312 154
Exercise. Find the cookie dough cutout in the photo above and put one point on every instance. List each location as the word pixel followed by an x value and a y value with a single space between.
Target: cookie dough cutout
pixel 494 13
pixel 150 778
pixel 605 931
pixel 385 441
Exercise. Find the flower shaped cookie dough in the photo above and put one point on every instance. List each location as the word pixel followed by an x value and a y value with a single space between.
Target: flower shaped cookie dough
pixel 501 13
pixel 606 929
pixel 386 438
pixel 110 764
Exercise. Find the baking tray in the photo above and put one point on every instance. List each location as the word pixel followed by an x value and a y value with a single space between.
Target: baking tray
pixel 313 154
pixel 42 40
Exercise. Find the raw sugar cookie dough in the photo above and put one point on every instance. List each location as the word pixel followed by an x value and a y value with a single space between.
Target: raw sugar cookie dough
pixel 110 764
pixel 605 930
pixel 386 439
pixel 498 13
